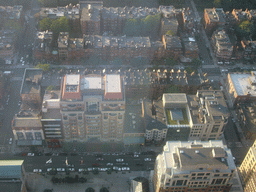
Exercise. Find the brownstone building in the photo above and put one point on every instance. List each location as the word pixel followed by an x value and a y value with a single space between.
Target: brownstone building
pixel 213 18
pixel 172 45
pixel 90 17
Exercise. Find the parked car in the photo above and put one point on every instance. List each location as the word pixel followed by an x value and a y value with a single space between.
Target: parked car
pixel 119 160
pixel 10 141
pixel 147 159
pixel 30 154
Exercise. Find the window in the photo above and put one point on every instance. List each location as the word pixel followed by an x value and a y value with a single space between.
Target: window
pixel 179 182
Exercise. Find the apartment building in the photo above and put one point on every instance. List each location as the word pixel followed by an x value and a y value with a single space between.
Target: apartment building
pixel 11 13
pixel 190 47
pixel 71 12
pixel 51 116
pixel 251 14
pixel 247 169
pixel 186 117
pixel 187 19
pixel 213 18
pixel 92 107
pixel 43 46
pixel 172 45
pixel 249 49
pixel 241 87
pixel 63 44
pixel 90 17
pixel 240 15
pixel 222 46
pixel 202 166
pixel 7 38
pixel 31 86
pixel 109 47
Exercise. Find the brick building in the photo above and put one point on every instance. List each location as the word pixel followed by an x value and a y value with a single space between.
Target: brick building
pixel 213 18
pixel 172 45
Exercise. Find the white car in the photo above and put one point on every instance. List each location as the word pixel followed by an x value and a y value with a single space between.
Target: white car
pixel 147 159
pixel 10 141
pixel 136 155
pixel 80 170
pixel 49 169
pixel 35 170
pixel 109 164
pixel 115 168
pixel 128 168
pixel 71 169
pixel 124 169
pixel 119 160
pixel 31 154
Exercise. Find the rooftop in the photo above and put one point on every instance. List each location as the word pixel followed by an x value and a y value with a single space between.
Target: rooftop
pixel 216 14
pixel 11 162
pixel 242 84
pixel 63 40
pixel 175 98
pixel 154 115
pixel 31 81
pixel 91 82
pixel 172 42
pixel 113 87
pixel 133 119
pixel 91 10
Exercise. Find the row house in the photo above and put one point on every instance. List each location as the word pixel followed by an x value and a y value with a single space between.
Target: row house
pixel 249 49
pixel 172 45
pixel 190 47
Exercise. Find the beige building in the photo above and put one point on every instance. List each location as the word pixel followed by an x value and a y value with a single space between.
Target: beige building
pixel 241 87
pixel 222 46
pixel 248 169
pixel 203 166
pixel 92 107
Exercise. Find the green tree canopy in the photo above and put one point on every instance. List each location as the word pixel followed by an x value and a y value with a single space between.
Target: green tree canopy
pixel 169 33
pixel 45 24
pixel 196 62
pixel 45 67
pixel 132 27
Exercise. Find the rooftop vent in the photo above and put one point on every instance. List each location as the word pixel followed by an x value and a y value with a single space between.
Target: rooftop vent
pixel 196 151
pixel 181 151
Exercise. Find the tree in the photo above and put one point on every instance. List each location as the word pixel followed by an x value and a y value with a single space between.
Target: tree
pixel 50 87
pixel 45 24
pixel 89 189
pixel 245 29
pixel 132 27
pixel 196 62
pixel 104 189
pixel 45 67
pixel 169 33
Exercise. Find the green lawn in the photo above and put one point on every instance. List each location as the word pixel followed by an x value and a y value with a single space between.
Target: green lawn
pixel 185 117
pixel 169 118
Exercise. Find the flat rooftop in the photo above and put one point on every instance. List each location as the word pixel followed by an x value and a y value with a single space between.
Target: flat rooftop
pixel 31 81
pixel 11 162
pixel 175 98
pixel 113 83
pixel 241 84
pixel 52 114
pixel 91 82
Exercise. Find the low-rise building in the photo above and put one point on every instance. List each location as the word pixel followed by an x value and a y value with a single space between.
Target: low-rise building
pixel 109 47
pixel 90 17
pixel 7 39
pixel 71 12
pixel 249 49
pixel 63 44
pixel 194 166
pixel 188 22
pixel 172 45
pixel 222 46
pixel 12 175
pixel 31 86
pixel 140 184
pixel 190 47
pixel 240 15
pixel 241 87
pixel 213 18
pixel 43 48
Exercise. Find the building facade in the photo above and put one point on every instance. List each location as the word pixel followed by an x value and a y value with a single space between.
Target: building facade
pixel 213 18
pixel 201 166
pixel 92 107
pixel 248 169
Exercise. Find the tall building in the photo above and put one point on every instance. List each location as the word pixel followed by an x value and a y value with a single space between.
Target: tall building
pixel 92 107
pixel 248 170
pixel 203 166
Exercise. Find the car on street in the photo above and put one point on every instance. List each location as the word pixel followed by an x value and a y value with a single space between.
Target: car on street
pixel 147 159
pixel 10 141
pixel 109 164
pixel 136 156
pixel 30 154
pixel 60 169
pixel 99 159
pixel 119 160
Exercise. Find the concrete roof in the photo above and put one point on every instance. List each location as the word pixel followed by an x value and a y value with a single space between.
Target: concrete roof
pixel 30 82
pixel 175 98
pixel 133 119
pixel 91 82
pixel 241 84
pixel 113 83
pixel 11 162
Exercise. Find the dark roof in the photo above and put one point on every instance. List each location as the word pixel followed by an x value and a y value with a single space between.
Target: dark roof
pixel 133 119
pixel 31 81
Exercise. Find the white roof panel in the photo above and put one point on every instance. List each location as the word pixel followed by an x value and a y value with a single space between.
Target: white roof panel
pixel 72 79
pixel 92 82
pixel 113 83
